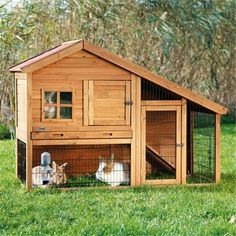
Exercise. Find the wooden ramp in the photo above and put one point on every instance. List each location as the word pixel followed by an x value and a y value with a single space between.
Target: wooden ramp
pixel 154 156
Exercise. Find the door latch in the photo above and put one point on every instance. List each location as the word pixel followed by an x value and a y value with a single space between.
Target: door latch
pixel 179 145
pixel 128 103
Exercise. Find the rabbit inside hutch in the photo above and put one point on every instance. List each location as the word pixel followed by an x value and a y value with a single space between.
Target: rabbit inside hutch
pixel 44 175
pixel 112 172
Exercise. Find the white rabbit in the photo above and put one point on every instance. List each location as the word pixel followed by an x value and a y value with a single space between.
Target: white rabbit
pixel 111 172
pixel 50 111
pixel 56 175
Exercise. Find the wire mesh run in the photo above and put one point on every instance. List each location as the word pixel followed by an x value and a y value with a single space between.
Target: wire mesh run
pixel 201 145
pixel 161 145
pixel 21 160
pixel 83 165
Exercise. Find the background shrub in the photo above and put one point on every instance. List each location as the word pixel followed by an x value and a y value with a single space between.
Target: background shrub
pixel 4 132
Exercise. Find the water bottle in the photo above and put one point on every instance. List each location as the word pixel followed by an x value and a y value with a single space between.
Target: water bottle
pixel 45 167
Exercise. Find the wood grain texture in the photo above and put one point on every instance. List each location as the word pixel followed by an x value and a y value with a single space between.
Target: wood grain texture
pixel 184 141
pixel 178 148
pixel 138 146
pixel 21 108
pixel 143 146
pixel 29 130
pixel 82 135
pixel 81 141
pixel 106 104
pixel 68 74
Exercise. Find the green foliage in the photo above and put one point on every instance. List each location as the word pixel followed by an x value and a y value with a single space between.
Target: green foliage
pixel 4 132
pixel 176 210
pixel 229 118
pixel 189 42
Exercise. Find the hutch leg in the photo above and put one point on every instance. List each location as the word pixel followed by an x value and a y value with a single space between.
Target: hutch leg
pixel 217 150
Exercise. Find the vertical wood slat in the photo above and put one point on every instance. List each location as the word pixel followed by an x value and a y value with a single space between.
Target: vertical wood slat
pixel 85 102
pixel 42 105
pixel 143 145
pixel 178 141
pixel 135 123
pixel 16 124
pixel 133 127
pixel 138 144
pixel 217 149
pixel 127 107
pixel 90 102
pixel 29 129
pixel 184 140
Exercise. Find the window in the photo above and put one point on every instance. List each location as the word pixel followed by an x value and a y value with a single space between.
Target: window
pixel 57 105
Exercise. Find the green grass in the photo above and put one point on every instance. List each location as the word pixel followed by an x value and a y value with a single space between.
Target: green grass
pixel 177 210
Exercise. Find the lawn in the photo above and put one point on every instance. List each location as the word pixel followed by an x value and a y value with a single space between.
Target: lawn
pixel 176 210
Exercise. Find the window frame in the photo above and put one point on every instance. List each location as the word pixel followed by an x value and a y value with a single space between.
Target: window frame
pixel 58 105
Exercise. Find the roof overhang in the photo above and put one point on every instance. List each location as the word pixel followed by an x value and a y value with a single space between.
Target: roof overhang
pixel 71 47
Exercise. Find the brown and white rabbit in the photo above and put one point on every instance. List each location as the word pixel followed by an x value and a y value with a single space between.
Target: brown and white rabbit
pixel 56 175
pixel 112 172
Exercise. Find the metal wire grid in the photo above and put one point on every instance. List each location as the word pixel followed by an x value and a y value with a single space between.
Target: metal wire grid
pixel 21 160
pixel 151 91
pixel 201 168
pixel 84 162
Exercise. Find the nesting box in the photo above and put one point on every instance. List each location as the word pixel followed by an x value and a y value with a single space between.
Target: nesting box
pixel 80 102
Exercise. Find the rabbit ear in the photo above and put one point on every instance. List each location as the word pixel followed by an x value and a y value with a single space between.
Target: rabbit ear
pixel 54 166
pixel 64 165
pixel 112 157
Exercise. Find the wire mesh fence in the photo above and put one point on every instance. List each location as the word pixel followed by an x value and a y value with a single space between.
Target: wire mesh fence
pixel 151 91
pixel 201 148
pixel 21 160
pixel 83 165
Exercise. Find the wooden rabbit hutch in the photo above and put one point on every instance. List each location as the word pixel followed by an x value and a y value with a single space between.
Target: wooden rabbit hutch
pixel 106 116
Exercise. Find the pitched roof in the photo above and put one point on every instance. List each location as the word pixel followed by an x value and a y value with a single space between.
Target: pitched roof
pixel 42 56
pixel 68 48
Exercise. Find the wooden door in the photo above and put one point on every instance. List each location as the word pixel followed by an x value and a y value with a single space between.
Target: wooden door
pixel 161 145
pixel 109 103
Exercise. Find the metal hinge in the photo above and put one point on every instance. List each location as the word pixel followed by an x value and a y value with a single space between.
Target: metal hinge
pixel 129 103
pixel 179 145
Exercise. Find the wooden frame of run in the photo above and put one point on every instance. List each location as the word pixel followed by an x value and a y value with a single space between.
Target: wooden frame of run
pixel 162 107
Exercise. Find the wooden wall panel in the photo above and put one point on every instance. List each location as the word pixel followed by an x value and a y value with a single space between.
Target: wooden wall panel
pixel 107 103
pixel 85 65
pixel 21 107
pixel 68 74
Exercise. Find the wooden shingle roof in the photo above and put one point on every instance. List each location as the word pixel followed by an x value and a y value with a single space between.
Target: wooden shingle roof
pixel 68 48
